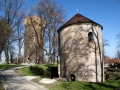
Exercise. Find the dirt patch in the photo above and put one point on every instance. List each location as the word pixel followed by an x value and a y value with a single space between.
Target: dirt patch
pixel 36 79
pixel 48 86
pixel 18 71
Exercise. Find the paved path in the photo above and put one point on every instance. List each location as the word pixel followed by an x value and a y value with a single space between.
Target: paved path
pixel 12 81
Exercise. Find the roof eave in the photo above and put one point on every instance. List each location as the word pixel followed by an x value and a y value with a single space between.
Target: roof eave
pixel 60 29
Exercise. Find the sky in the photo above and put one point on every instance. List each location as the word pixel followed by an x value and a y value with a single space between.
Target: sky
pixel 104 12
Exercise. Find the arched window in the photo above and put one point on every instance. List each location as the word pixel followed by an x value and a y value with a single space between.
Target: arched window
pixel 90 36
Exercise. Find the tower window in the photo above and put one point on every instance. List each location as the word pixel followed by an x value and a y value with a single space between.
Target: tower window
pixel 90 36
pixel 28 46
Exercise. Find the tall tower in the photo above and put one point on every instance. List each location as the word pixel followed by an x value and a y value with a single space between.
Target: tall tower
pixel 33 40
pixel 80 50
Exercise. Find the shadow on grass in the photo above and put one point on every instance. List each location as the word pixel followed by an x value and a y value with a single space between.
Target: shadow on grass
pixel 113 85
pixel 43 72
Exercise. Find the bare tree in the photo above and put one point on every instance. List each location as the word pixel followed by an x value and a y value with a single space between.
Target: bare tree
pixel 20 40
pixel 12 14
pixel 105 43
pixel 100 51
pixel 118 46
pixel 5 31
pixel 118 37
pixel 54 16
pixel 118 54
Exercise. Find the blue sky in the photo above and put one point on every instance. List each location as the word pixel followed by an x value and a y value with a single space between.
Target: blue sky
pixel 104 12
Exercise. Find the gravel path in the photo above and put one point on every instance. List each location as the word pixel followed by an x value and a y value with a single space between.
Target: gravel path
pixel 12 81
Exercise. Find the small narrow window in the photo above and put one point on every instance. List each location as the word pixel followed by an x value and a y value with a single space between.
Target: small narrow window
pixel 28 46
pixel 28 58
pixel 90 36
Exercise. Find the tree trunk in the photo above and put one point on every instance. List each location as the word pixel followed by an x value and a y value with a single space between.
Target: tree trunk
pixel 7 56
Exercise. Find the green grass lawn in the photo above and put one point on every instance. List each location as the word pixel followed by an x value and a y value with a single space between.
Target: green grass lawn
pixel 41 71
pixel 68 85
pixel 7 66
pixel 75 85
pixel 25 71
pixel 71 85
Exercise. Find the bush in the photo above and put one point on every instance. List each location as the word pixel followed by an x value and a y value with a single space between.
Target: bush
pixel 36 70
pixel 117 76
pixel 43 72
pixel 118 65
pixel 47 70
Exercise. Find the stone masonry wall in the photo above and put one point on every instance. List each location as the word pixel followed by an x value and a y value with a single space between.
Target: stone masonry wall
pixel 32 37
pixel 77 55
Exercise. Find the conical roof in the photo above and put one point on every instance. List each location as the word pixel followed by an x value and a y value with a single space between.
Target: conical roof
pixel 78 18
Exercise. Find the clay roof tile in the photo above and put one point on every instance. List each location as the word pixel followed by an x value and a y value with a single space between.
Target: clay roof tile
pixel 78 18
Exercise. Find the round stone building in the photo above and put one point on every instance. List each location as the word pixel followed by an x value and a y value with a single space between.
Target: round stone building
pixel 80 50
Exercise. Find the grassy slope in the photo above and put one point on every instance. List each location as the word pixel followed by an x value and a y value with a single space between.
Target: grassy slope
pixel 25 71
pixel 6 66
